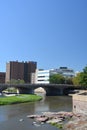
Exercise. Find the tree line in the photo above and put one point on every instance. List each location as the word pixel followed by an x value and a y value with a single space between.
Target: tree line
pixel 80 79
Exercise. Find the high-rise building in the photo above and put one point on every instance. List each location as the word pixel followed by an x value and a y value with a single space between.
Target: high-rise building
pixel 2 77
pixel 21 71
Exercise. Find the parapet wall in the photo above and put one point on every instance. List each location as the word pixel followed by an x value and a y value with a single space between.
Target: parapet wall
pixel 80 103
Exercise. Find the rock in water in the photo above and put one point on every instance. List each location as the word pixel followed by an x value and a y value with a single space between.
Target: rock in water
pixel 21 120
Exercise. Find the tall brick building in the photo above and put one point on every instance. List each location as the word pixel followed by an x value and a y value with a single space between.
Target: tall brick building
pixel 2 77
pixel 21 71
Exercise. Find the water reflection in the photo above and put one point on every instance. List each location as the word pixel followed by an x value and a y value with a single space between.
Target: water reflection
pixel 11 114
pixel 42 105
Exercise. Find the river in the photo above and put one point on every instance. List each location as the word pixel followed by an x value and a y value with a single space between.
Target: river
pixel 14 117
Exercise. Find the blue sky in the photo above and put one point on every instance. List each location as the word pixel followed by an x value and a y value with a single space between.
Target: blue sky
pixel 51 32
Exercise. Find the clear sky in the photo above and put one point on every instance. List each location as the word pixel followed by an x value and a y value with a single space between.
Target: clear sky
pixel 51 32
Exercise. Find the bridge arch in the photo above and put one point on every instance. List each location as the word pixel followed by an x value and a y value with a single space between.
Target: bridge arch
pixel 51 89
pixel 39 90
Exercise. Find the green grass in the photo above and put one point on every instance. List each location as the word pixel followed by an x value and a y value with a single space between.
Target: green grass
pixel 19 99
pixel 58 125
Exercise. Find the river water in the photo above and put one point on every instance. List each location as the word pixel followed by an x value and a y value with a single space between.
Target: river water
pixel 14 117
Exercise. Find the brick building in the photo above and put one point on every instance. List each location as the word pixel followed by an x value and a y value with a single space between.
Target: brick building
pixel 2 77
pixel 21 71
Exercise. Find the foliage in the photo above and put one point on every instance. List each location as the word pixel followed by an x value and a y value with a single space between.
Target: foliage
pixel 81 78
pixel 68 80
pixel 14 81
pixel 57 79
pixel 58 125
pixel 76 80
pixel 19 99
pixel 10 90
pixel 85 70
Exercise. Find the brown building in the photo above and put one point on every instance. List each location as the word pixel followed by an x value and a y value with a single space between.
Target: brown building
pixel 21 70
pixel 2 77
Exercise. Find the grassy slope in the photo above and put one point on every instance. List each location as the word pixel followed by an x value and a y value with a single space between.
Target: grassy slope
pixel 19 99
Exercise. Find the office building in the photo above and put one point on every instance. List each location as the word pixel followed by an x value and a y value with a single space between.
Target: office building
pixel 21 71
pixel 2 77
pixel 42 76
pixel 64 71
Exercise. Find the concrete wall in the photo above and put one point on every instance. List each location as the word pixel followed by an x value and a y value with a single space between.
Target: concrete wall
pixel 80 104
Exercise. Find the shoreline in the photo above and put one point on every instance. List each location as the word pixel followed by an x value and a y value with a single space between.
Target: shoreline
pixel 21 98
pixel 62 120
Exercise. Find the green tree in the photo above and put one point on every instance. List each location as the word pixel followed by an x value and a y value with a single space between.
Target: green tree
pixel 14 81
pixel 57 79
pixel 85 70
pixel 68 80
pixel 81 78
pixel 20 81
pixel 76 80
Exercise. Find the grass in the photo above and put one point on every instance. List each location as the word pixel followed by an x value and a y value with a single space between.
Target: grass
pixel 19 99
pixel 58 125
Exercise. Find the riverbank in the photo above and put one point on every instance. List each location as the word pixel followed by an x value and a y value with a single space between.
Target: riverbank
pixel 22 98
pixel 78 122
pixel 62 120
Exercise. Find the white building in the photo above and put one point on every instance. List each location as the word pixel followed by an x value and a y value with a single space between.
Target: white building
pixel 42 76
pixel 66 72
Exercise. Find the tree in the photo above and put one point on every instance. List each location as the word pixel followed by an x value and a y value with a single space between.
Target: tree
pixel 85 70
pixel 76 80
pixel 68 80
pixel 57 79
pixel 81 78
pixel 83 75
pixel 14 81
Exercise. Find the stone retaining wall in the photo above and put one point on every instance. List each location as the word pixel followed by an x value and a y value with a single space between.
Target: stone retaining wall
pixel 80 103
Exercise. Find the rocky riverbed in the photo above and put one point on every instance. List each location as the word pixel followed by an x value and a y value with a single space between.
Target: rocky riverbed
pixel 78 122
pixel 63 120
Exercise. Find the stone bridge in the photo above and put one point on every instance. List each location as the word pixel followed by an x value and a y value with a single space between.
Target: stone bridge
pixel 51 89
